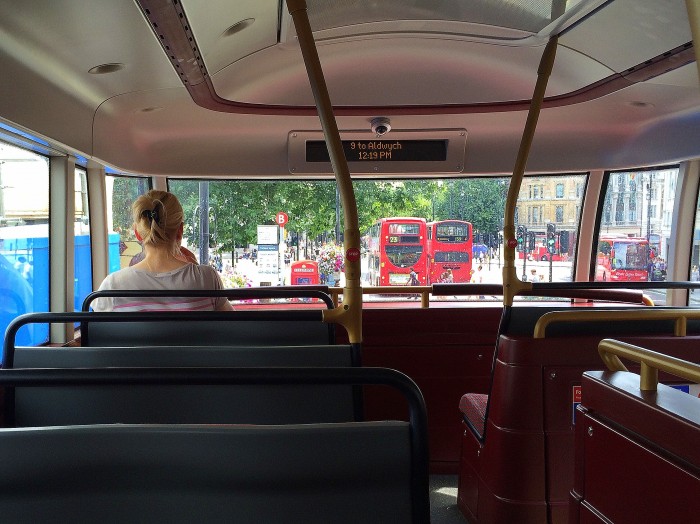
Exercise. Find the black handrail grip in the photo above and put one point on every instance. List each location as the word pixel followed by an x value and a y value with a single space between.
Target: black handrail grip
pixel 418 421
pixel 8 347
pixel 319 292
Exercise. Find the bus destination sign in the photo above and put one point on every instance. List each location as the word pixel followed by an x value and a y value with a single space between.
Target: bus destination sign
pixel 381 150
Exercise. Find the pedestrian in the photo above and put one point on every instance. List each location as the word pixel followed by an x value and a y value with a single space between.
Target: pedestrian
pixel 413 281
pixel 478 278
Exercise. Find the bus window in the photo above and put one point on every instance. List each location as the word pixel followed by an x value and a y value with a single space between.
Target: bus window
pixel 694 276
pixel 634 238
pixel 24 242
pixel 121 193
pixel 83 253
pixel 463 207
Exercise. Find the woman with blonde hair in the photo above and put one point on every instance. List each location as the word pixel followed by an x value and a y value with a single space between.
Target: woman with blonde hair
pixel 158 225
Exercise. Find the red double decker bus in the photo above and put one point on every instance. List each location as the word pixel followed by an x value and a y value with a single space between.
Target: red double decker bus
pixel 450 250
pixel 393 246
pixel 622 259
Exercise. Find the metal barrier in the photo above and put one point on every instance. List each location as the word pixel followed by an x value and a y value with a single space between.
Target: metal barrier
pixel 651 363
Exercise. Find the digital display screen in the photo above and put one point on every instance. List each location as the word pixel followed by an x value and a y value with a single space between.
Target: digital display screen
pixel 404 239
pixel 381 150
pixel 450 239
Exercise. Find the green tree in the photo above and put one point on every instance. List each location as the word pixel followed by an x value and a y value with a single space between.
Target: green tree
pixel 238 207
pixel 479 201
pixel 124 191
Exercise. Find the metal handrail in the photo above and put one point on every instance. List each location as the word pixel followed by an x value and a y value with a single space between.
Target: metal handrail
pixel 418 422
pixel 680 318
pixel 512 285
pixel 318 292
pixel 651 363
pixel 350 315
pixel 465 290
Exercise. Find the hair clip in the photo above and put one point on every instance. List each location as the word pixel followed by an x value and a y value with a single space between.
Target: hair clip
pixel 151 215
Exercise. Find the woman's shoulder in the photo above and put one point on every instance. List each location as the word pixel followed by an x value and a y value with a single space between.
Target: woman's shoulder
pixel 202 272
pixel 114 279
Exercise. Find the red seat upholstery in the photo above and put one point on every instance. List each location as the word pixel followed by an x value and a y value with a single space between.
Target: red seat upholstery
pixel 473 408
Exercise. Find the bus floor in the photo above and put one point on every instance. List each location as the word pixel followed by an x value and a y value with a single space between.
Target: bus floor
pixel 443 500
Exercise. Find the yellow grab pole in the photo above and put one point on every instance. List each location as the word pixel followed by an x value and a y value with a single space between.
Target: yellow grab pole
pixel 693 7
pixel 511 284
pixel 350 315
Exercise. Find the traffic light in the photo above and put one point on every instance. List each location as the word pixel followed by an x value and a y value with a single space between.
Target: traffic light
pixel 521 234
pixel 551 239
pixel 563 241
pixel 531 241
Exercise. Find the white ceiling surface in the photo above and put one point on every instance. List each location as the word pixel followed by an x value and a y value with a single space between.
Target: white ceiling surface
pixel 101 116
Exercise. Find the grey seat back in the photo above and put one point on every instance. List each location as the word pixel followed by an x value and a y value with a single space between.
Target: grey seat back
pixel 319 473
pixel 272 404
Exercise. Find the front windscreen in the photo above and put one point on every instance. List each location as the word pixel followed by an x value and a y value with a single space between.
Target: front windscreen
pixel 451 256
pixel 452 232
pixel 403 256
pixel 404 229
pixel 630 255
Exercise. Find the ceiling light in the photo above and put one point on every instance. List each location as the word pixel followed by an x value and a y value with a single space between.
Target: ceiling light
pixel 238 27
pixel 106 68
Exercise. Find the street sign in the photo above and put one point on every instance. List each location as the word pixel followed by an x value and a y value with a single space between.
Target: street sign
pixel 281 218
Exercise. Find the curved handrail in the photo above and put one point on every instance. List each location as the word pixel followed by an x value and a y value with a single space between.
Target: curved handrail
pixel 319 292
pixel 679 317
pixel 556 291
pixel 651 363
pixel 350 315
pixel 418 421
pixel 8 348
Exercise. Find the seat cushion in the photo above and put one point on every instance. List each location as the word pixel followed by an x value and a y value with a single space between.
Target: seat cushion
pixel 473 408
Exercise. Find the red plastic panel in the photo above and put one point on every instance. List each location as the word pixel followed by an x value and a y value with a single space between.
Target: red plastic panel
pixel 627 482
pixel 446 351
pixel 468 487
pixel 651 415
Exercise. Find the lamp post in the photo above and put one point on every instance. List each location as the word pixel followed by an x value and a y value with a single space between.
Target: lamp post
pixel 204 223
pixel 649 187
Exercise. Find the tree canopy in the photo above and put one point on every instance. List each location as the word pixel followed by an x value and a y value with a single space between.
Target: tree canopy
pixel 236 208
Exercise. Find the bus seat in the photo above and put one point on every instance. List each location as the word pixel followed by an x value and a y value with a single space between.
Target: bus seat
pixel 528 424
pixel 329 472
pixel 191 473
pixel 230 332
pixel 239 328
pixel 473 409
pixel 58 405
pixel 633 461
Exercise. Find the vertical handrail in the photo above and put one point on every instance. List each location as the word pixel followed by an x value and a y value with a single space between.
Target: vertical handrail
pixel 511 283
pixel 693 7
pixel 350 315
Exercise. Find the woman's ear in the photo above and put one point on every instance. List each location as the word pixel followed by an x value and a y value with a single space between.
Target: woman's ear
pixel 138 237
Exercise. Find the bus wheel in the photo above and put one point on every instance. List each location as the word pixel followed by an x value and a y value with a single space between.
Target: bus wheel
pixel 544 258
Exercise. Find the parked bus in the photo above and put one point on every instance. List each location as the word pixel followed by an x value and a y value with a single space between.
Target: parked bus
pixel 450 248
pixel 212 101
pixel 394 246
pixel 623 259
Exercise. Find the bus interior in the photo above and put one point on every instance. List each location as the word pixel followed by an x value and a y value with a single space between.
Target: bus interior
pixel 563 132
